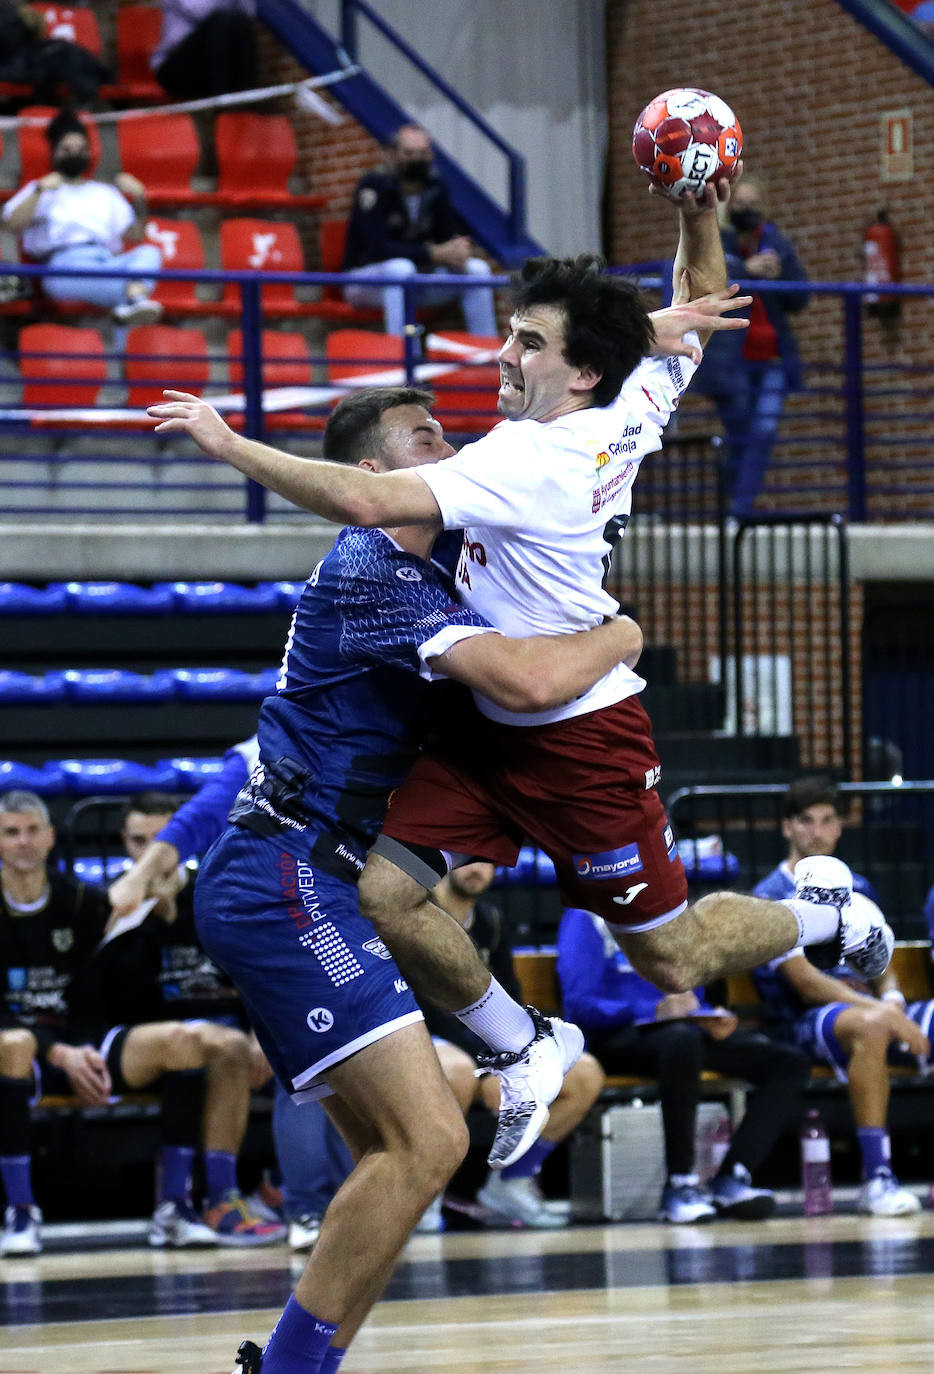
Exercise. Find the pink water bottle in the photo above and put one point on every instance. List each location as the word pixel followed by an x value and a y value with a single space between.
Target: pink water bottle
pixel 815 1166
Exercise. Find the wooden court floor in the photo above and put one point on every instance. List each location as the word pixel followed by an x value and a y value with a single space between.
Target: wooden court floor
pixel 790 1294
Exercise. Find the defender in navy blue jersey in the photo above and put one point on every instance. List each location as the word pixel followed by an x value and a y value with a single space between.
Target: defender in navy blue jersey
pixel 276 901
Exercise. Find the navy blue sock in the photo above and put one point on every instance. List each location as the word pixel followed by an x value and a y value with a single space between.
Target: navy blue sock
pixel 299 1343
pixel 332 1360
pixel 175 1173
pixel 875 1149
pixel 17 1180
pixel 531 1162
pixel 220 1175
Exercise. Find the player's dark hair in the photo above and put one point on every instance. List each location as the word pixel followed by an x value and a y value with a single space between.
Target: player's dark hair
pixel 607 324
pixel 815 790
pixel 352 431
pixel 65 122
pixel 151 803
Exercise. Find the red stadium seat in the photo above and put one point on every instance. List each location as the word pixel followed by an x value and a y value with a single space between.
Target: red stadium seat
pixel 35 155
pixel 50 352
pixel 159 356
pixel 73 23
pixel 362 353
pixel 286 362
pixel 181 245
pixel 465 399
pixel 163 151
pixel 138 30
pixel 256 155
pixel 263 245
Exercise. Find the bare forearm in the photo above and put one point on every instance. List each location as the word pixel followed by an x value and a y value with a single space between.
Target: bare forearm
pixel 700 254
pixel 24 214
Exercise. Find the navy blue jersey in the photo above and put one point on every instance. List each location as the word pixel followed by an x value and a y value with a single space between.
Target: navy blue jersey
pixel 350 710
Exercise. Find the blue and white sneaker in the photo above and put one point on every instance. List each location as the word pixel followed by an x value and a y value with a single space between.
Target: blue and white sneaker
pixel 883 1196
pixel 684 1203
pixel 734 1196
pixel 21 1232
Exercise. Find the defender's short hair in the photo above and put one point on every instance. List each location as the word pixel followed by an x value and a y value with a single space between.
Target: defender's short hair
pixel 607 324
pixel 352 430
pixel 20 801
pixel 819 789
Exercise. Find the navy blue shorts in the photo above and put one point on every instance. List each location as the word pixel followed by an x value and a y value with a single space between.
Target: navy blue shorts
pixel 815 1033
pixel 317 981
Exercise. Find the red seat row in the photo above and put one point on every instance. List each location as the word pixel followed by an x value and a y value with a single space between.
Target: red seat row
pixel 138 29
pixel 256 156
pixel 159 356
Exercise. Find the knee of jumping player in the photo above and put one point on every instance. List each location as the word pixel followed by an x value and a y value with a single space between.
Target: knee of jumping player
pixel 387 895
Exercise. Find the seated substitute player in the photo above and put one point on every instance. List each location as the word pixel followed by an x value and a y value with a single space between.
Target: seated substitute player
pixel 633 1028
pixel 71 1005
pixel 178 982
pixel 543 499
pixel 276 898
pixel 857 1026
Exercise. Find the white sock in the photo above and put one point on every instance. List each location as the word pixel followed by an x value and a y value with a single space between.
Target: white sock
pixel 817 922
pixel 498 1019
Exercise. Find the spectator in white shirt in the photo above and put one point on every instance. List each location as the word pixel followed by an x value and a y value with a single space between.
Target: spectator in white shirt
pixel 67 219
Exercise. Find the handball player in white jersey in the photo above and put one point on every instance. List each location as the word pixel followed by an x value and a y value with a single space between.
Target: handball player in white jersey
pixel 542 499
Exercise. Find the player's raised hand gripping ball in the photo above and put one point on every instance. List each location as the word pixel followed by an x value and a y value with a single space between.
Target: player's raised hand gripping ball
pixel 685 138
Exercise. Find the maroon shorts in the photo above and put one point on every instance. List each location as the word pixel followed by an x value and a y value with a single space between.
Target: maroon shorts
pixel 583 790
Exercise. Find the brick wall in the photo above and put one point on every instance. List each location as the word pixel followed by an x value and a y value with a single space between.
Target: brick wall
pixel 809 85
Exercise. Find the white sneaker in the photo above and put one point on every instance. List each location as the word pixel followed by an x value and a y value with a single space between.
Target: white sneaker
pixel 431 1221
pixel 864 940
pixel 529 1082
pixel 21 1231
pixel 304 1232
pixel 177 1224
pixel 519 1200
pixel 138 312
pixel 883 1196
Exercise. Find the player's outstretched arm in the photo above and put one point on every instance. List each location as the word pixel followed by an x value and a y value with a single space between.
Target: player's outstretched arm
pixel 346 495
pixel 543 671
pixel 700 250
pixel 701 316
pixel 147 878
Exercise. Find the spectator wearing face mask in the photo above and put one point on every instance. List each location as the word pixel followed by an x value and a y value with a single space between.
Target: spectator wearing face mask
pixel 403 222
pixel 67 219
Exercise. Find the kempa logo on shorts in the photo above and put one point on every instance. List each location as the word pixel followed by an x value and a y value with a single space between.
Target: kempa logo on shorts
pixel 378 948
pixel 615 863
pixel 320 1020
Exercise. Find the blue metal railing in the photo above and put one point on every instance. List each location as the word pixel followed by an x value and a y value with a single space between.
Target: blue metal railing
pixel 865 422
pixel 350 10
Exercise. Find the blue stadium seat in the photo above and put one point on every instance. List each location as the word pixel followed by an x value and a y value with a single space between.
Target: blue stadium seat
pixel 23 687
pixel 706 860
pixel 225 598
pixel 87 777
pixel 47 781
pixel 116 598
pixel 287 593
pixel 533 869
pixel 99 870
pixel 113 684
pixel 214 684
pixel 16 598
pixel 190 774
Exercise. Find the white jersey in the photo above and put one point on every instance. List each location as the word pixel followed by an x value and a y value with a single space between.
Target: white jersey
pixel 87 212
pixel 542 506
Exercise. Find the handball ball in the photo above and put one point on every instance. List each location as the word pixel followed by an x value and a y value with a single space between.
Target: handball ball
pixel 685 138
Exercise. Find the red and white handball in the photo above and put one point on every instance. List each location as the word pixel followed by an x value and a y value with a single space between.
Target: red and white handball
pixel 685 138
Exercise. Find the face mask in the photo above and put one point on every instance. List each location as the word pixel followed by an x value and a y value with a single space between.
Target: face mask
pixel 419 170
pixel 743 220
pixel 72 164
